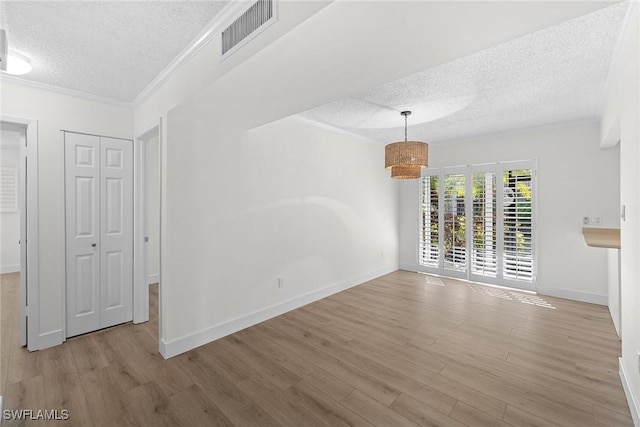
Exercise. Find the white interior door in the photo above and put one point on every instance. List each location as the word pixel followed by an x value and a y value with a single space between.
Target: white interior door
pixel 116 225
pixel 99 232
pixel 82 193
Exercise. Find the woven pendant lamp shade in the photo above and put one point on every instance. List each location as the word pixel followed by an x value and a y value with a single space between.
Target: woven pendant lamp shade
pixel 406 153
pixel 406 172
pixel 406 158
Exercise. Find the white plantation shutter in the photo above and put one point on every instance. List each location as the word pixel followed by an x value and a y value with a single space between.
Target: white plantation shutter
pixel 429 247
pixel 8 189
pixel 517 224
pixel 477 222
pixel 455 239
pixel 484 231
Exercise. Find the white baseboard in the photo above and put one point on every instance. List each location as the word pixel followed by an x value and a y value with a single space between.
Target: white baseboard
pixel 153 278
pixel 552 292
pixel 633 403
pixel 10 269
pixel 408 267
pixel 180 345
pixel 48 339
pixel 575 295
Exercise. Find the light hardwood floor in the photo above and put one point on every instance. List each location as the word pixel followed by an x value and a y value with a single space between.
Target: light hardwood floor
pixel 404 349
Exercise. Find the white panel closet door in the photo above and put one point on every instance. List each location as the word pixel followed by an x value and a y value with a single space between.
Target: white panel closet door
pixel 82 187
pixel 116 183
pixel 99 222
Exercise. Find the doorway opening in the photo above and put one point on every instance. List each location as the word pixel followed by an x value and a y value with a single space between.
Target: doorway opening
pixel 478 223
pixel 147 246
pixel 19 222
pixel 144 233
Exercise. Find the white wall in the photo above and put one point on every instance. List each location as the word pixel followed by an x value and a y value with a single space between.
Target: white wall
pixel 153 208
pixel 315 53
pixel 621 120
pixel 10 221
pixel 575 178
pixel 286 200
pixel 55 111
pixel 201 70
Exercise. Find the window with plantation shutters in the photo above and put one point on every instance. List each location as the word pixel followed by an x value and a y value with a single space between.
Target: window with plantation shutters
pixel 477 223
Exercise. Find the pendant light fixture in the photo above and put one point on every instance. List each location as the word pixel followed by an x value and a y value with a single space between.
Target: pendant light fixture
pixel 405 158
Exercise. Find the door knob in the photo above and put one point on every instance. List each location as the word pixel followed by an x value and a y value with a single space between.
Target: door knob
pixel 93 245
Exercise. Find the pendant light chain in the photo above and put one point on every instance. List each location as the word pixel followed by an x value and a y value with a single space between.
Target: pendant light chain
pixel 405 128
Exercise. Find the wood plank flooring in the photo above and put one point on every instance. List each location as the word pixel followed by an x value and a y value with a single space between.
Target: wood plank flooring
pixel 405 349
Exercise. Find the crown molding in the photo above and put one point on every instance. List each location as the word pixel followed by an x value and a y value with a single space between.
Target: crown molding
pixel 217 23
pixel 6 78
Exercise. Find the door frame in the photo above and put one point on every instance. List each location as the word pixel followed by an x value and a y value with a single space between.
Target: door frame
pixel 140 221
pixel 64 224
pixel 29 237
pixel 140 285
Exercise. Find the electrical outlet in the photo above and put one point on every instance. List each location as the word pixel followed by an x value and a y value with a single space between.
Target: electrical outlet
pixel 280 282
pixel 596 220
pixel 586 220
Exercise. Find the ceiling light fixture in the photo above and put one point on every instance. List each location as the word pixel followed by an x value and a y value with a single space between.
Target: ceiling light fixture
pixel 406 158
pixel 18 64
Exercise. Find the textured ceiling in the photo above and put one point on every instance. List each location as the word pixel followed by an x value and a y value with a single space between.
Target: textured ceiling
pixel 553 75
pixel 111 49
pixel 114 49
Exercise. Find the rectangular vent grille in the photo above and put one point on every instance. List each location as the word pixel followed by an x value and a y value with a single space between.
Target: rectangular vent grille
pixel 247 23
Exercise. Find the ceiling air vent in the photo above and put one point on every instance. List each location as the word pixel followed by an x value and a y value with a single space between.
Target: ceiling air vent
pixel 246 26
